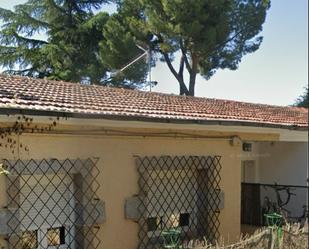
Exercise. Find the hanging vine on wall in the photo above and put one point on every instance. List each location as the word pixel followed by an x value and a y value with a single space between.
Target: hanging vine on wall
pixel 3 170
pixel 9 135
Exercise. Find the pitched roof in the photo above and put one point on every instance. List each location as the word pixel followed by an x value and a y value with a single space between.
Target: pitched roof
pixel 46 95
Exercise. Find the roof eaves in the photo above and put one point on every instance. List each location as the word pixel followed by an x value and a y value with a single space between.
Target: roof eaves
pixel 216 121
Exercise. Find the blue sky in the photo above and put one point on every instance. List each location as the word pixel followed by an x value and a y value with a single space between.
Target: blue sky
pixel 276 74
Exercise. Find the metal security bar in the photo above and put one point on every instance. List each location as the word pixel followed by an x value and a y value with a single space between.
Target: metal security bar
pixel 53 204
pixel 178 196
pixel 260 199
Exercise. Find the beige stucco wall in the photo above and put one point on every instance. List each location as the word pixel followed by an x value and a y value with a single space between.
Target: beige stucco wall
pixel 118 177
pixel 284 163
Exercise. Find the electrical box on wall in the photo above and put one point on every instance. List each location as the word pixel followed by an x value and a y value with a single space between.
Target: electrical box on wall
pixel 247 147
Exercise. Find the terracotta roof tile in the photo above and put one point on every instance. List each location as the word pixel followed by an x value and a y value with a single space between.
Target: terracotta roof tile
pixel 47 95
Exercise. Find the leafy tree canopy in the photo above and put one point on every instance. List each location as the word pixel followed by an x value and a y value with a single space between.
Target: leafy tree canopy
pixel 303 100
pixel 209 34
pixel 71 49
pixel 82 46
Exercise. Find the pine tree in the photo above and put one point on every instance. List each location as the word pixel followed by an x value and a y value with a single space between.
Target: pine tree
pixel 208 34
pixel 69 49
pixel 303 100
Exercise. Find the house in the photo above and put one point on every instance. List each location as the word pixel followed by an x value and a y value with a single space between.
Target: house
pixel 100 167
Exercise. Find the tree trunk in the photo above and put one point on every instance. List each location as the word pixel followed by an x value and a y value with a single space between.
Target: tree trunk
pixel 183 90
pixel 179 76
pixel 193 74
pixel 192 84
pixel 192 70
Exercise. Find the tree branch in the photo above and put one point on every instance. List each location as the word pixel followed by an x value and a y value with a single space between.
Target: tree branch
pixel 222 44
pixel 38 22
pixel 193 74
pixel 181 66
pixel 183 51
pixel 183 87
pixel 250 21
pixel 28 40
pixel 170 66
pixel 18 72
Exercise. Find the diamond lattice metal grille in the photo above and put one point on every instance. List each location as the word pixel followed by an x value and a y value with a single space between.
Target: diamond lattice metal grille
pixel 179 193
pixel 52 204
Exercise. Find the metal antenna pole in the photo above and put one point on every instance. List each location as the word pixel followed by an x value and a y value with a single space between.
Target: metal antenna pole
pixel 132 62
pixel 147 54
pixel 149 68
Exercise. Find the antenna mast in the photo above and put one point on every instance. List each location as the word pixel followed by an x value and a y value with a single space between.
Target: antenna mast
pixel 147 54
pixel 149 68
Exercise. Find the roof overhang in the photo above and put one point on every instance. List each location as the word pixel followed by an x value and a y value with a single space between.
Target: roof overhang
pixel 283 132
pixel 216 121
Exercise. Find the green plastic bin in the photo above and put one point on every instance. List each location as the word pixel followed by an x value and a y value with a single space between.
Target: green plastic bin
pixel 171 238
pixel 275 221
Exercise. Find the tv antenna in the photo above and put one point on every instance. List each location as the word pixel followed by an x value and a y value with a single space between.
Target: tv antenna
pixel 147 54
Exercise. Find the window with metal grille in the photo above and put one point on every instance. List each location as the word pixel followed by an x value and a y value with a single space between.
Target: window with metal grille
pixel 53 204
pixel 178 193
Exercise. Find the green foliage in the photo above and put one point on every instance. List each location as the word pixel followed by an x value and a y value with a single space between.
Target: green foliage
pixel 209 34
pixel 82 46
pixel 303 100
pixel 118 47
pixel 70 49
pixel 3 171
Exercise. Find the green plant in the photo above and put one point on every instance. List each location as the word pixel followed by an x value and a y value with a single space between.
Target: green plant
pixel 3 171
pixel 9 135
